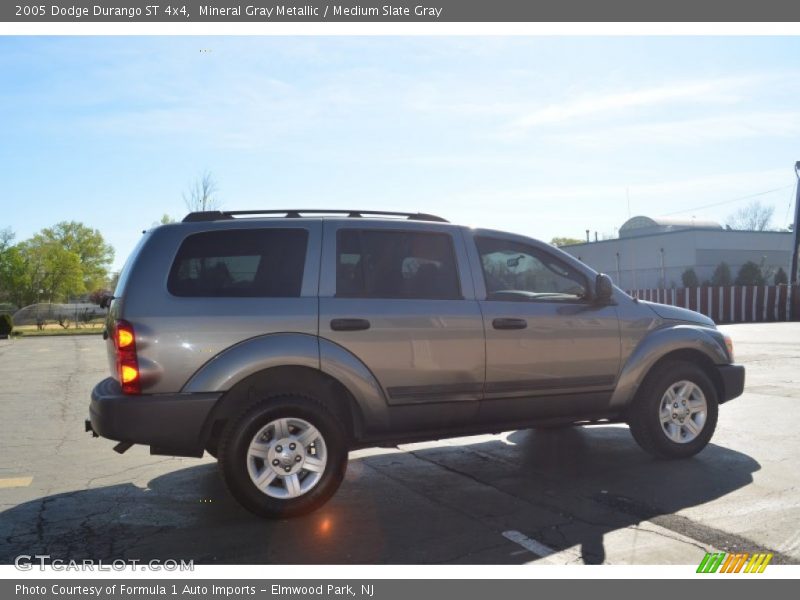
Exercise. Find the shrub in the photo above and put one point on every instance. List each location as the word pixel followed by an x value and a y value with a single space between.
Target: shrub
pixel 781 278
pixel 750 274
pixel 722 275
pixel 96 297
pixel 6 325
pixel 689 278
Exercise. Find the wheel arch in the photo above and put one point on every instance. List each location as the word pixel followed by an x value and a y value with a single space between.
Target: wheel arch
pixel 280 381
pixel 695 357
pixel 687 343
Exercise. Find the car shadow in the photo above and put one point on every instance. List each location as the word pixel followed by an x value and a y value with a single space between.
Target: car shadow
pixel 458 502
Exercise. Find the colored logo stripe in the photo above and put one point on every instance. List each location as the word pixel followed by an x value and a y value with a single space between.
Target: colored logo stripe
pixel 733 563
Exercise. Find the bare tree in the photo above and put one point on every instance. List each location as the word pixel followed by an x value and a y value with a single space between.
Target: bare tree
pixel 202 194
pixel 753 217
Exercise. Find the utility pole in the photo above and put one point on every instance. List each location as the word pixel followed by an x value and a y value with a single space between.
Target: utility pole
pixel 793 274
pixel 796 238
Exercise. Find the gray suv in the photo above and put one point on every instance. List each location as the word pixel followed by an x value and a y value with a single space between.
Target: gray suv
pixel 276 341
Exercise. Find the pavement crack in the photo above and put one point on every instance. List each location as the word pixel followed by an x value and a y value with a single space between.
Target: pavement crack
pixel 677 537
pixel 551 507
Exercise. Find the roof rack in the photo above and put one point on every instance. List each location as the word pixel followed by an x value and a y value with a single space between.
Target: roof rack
pixel 294 213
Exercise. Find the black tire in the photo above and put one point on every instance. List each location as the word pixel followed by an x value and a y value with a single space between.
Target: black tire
pixel 236 439
pixel 644 415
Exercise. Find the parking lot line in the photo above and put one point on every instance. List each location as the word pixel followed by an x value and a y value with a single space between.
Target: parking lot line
pixel 529 544
pixel 15 482
pixel 547 554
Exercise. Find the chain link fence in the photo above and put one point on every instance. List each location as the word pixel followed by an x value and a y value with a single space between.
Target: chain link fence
pixel 65 315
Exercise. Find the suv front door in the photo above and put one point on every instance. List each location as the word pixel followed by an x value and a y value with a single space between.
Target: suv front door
pixel 400 298
pixel 550 350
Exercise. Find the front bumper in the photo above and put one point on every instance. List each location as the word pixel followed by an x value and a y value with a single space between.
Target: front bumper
pixel 170 423
pixel 732 378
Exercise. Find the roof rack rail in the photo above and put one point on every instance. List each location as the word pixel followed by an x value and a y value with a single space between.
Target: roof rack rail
pixel 294 213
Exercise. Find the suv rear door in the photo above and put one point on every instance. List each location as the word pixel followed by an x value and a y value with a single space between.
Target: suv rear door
pixel 400 297
pixel 550 350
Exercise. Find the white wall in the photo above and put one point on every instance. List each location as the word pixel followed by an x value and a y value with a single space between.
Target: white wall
pixel 701 249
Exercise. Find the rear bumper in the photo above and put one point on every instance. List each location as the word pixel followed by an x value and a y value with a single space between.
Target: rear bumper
pixel 171 423
pixel 732 377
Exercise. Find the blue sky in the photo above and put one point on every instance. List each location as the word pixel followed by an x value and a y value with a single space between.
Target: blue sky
pixel 544 136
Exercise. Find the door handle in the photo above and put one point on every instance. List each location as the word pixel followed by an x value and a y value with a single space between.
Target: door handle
pixel 505 323
pixel 349 324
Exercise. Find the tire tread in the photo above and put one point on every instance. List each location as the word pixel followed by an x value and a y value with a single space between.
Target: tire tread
pixel 275 508
pixel 640 417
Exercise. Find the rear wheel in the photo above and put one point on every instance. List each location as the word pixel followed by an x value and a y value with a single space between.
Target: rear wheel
pixel 284 457
pixel 675 412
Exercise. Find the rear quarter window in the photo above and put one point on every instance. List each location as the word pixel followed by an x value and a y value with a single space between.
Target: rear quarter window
pixel 264 263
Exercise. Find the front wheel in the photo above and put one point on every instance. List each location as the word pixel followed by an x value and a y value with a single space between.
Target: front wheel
pixel 284 457
pixel 675 412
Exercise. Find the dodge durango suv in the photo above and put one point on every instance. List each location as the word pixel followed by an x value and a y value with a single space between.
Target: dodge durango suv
pixel 277 341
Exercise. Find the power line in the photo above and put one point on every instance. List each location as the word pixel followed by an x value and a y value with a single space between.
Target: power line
pixel 678 212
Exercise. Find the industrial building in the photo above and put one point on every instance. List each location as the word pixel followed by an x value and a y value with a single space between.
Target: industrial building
pixel 654 252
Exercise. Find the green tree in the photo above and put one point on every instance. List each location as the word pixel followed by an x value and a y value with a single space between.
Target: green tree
pixel 12 268
pixel 113 280
pixel 781 278
pixel 750 274
pixel 94 254
pixel 689 278
pixel 722 275
pixel 6 237
pixel 52 273
pixel 13 275
pixel 164 220
pixel 565 241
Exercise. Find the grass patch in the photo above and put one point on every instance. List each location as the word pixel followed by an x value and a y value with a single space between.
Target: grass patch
pixel 32 331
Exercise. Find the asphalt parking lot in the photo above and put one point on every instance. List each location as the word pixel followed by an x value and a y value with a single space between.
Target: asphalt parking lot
pixel 585 495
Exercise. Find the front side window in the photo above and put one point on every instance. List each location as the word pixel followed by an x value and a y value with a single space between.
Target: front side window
pixel 395 264
pixel 515 271
pixel 266 263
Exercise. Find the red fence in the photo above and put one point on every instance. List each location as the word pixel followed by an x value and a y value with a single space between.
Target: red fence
pixel 732 304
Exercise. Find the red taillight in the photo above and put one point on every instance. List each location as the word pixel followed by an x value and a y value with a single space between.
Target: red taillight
pixel 127 365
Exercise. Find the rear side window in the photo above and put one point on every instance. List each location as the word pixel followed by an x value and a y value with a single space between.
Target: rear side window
pixel 266 263
pixel 395 264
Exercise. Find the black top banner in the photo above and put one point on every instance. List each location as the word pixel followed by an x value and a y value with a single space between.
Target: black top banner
pixel 254 11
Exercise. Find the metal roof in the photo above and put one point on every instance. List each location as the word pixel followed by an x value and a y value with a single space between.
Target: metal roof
pixel 641 224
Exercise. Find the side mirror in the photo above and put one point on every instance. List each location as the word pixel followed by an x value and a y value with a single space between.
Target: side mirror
pixel 105 301
pixel 603 288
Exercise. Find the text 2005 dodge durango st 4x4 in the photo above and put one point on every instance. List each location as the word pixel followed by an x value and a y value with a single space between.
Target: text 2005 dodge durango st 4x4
pixel 279 340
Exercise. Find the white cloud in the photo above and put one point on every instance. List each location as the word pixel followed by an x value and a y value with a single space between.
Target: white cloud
pixel 568 209
pixel 710 129
pixel 718 91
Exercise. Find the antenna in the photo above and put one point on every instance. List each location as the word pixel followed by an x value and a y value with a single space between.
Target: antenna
pixel 628 196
